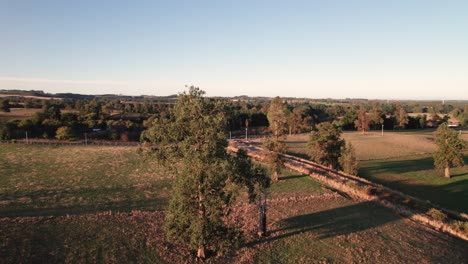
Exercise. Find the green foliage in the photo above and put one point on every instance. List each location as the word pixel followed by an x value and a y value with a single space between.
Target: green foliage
pixel 401 116
pixel 274 160
pixel 190 140
pixel 363 121
pixel 278 120
pixel 450 146
pixel 64 133
pixel 277 117
pixel 348 160
pixel 5 105
pixel 324 145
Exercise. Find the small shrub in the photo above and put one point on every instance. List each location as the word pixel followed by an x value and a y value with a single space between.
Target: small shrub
pixel 461 226
pixel 437 214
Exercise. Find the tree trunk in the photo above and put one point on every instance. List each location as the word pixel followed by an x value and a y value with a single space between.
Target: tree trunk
pixel 201 252
pixel 201 216
pixel 447 172
pixel 275 176
pixel 262 228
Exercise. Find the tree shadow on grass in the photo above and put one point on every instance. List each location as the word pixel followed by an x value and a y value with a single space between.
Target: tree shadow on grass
pixel 298 154
pixel 334 222
pixel 400 166
pixel 403 166
pixel 290 177
pixel 122 199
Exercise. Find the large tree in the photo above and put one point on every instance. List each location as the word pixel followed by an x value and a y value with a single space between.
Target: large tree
pixel 376 116
pixel 401 116
pixel 363 121
pixel 274 145
pixel 190 140
pixel 277 118
pixel 348 160
pixel 325 145
pixel 450 149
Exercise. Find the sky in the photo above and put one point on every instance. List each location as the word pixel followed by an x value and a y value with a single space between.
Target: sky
pixel 399 49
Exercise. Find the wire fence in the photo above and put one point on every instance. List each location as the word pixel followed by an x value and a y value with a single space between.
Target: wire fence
pixel 69 143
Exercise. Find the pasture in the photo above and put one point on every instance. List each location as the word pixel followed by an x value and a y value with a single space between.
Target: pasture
pixel 18 113
pixel 403 161
pixel 106 204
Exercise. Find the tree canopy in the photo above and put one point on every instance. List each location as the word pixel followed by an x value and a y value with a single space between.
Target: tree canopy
pixel 325 144
pixel 450 149
pixel 190 140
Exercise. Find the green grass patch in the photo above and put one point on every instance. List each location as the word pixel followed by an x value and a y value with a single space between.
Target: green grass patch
pixel 291 183
pixel 417 177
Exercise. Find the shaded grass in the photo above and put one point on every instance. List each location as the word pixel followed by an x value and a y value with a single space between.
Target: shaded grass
pixel 418 178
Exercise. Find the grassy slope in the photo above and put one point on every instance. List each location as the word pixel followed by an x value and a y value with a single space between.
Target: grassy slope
pixel 402 160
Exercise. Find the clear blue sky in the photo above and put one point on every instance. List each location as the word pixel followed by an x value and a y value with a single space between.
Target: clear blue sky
pixel 371 49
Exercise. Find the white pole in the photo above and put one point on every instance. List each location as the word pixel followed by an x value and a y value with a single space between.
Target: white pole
pixel 382 129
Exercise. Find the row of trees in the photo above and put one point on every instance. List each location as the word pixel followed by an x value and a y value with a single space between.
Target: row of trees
pixel 119 117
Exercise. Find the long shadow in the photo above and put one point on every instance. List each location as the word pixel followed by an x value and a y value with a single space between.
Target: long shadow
pixel 453 196
pixel 333 222
pixel 298 154
pixel 95 200
pixel 293 177
pixel 400 166
pixel 447 193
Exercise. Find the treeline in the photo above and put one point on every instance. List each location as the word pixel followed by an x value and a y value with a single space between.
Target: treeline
pixel 111 118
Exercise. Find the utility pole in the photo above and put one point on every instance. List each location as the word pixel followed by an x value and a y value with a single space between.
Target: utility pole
pixel 246 128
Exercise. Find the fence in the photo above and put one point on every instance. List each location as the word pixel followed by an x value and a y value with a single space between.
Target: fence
pixel 69 143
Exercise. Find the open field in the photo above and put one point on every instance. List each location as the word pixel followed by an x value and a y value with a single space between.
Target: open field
pixel 373 146
pixel 19 113
pixel 25 113
pixel 106 204
pixel 62 180
pixel 403 161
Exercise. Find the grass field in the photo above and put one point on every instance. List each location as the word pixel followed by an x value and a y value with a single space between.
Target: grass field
pixel 25 113
pixel 403 161
pixel 106 204
pixel 18 113
pixel 60 180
